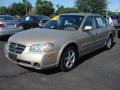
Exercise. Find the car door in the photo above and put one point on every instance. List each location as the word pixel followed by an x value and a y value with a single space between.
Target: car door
pixel 35 21
pixel 26 22
pixel 88 37
pixel 101 31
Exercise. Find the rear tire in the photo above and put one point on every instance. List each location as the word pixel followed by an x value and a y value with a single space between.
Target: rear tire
pixel 68 59
pixel 109 43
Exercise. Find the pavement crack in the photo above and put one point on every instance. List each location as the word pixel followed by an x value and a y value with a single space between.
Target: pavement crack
pixel 15 75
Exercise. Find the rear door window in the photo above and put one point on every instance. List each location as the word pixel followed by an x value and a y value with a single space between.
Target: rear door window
pixel 101 22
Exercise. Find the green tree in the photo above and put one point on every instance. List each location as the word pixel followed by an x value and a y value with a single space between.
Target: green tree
pixel 91 6
pixel 44 7
pixel 61 9
pixel 27 5
pixel 19 8
pixel 3 10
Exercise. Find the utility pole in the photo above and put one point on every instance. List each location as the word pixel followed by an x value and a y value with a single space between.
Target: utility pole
pixel 26 7
pixel 107 9
pixel 106 12
pixel 117 9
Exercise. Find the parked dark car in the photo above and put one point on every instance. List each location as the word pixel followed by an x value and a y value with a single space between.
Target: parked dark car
pixel 117 17
pixel 33 21
pixel 113 20
pixel 118 20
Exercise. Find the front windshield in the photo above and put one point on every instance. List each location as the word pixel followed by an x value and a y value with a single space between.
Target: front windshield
pixel 65 22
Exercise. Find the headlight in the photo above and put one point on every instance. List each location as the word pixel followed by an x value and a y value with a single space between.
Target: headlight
pixel 42 47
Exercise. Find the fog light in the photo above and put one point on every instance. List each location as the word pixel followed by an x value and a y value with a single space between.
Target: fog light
pixel 36 66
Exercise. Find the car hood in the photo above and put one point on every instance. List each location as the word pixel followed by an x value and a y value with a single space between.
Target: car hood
pixel 39 36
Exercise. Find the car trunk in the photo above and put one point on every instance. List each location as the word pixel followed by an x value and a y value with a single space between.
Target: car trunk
pixel 10 24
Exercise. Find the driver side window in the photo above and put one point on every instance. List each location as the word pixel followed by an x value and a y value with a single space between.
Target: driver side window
pixel 90 21
pixel 70 24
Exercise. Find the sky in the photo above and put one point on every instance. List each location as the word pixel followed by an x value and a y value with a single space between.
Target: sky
pixel 113 4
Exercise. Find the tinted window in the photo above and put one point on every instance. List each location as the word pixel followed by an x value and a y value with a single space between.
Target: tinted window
pixel 90 21
pixel 45 17
pixel 41 17
pixel 38 17
pixel 101 22
pixel 6 18
pixel 27 18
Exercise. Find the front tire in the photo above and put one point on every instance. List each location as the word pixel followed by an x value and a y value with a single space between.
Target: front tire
pixel 68 59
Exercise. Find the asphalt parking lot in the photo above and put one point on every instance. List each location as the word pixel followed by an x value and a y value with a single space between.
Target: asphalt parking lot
pixel 99 70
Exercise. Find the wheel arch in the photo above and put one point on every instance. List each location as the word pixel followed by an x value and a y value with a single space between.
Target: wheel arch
pixel 63 48
pixel 110 34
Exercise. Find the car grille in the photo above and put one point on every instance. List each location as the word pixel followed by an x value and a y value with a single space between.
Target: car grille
pixel 16 48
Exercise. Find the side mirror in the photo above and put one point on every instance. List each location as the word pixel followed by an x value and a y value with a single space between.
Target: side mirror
pixel 88 28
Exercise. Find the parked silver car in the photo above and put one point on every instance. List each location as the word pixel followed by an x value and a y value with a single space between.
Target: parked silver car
pixel 9 25
pixel 60 42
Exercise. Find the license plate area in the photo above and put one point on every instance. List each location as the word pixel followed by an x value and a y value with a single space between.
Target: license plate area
pixel 13 57
pixel 11 26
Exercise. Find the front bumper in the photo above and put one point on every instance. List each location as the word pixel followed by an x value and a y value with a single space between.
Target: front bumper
pixel 33 60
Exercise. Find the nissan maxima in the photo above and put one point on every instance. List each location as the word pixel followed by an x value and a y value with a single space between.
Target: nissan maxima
pixel 60 42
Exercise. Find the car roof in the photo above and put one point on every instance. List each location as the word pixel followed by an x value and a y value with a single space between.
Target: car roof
pixel 4 15
pixel 35 15
pixel 81 14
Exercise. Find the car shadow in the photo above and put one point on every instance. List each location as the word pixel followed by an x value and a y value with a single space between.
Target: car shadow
pixel 92 54
pixel 89 55
pixel 49 71
pixel 81 60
